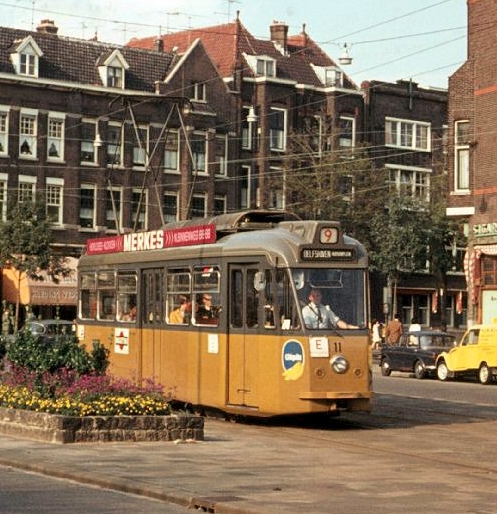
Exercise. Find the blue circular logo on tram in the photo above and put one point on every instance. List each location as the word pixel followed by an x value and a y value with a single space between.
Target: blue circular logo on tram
pixel 292 359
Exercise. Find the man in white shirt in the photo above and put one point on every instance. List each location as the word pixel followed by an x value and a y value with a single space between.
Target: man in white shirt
pixel 317 315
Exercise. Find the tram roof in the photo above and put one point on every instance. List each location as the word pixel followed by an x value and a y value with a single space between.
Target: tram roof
pixel 238 221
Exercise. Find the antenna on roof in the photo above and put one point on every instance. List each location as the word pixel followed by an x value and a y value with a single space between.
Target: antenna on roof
pixel 228 9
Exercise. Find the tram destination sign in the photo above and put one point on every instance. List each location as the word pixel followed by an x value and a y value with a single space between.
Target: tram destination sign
pixel 152 240
pixel 327 254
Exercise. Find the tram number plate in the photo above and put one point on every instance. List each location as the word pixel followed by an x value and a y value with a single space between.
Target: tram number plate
pixel 327 254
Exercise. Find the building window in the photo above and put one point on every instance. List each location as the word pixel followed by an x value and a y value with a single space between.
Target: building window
pixel 139 201
pixel 113 208
pixel 199 206
pixel 333 77
pixel 409 181
pixel 26 189
pixel 3 196
pixel 277 129
pixel 171 151
pixel 199 92
pixel 55 137
pixel 87 205
pixel 114 147
pixel 54 195
pixel 114 76
pixel 247 128
pixel 140 149
pixel 88 154
pixel 265 67
pixel 199 146
pixel 27 64
pixel 170 206
pixel 4 132
pixel 276 195
pixel 221 155
pixel 219 205
pixel 408 134
pixel 346 138
pixel 245 186
pixel 461 161
pixel 28 135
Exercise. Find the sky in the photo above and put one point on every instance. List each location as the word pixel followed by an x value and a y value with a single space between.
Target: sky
pixel 390 40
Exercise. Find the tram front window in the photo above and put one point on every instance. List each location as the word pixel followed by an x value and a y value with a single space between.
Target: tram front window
pixel 331 298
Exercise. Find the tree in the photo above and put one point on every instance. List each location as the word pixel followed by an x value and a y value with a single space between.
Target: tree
pixel 401 235
pixel 25 244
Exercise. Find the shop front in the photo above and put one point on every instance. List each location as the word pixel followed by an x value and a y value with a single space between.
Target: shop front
pixel 43 298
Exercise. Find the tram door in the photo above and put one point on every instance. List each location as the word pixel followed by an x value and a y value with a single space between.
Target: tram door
pixel 243 339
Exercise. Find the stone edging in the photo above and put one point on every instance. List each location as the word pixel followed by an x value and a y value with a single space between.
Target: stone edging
pixel 55 428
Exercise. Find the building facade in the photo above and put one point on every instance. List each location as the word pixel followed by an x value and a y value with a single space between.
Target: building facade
pixel 472 155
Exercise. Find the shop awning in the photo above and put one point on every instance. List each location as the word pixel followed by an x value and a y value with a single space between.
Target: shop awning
pixel 41 292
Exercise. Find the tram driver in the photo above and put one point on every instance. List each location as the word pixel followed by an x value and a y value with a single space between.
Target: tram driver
pixel 317 315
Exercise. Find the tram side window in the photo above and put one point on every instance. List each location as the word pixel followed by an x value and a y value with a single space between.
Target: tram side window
pixel 88 296
pixel 271 306
pixel 289 310
pixel 178 296
pixel 106 294
pixel 152 296
pixel 126 297
pixel 206 295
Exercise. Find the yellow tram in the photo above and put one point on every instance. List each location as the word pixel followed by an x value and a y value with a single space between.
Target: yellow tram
pixel 215 311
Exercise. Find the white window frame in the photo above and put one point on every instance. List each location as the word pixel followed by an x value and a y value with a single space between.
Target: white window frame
pixel 220 199
pixel 403 133
pixel 54 198
pixel 28 133
pixel 26 58
pixel 461 158
pixel 265 67
pixel 221 161
pixel 114 158
pixel 26 187
pixel 415 184
pixel 276 196
pixel 143 217
pixel 84 210
pixel 200 165
pixel 3 195
pixel 172 155
pixel 55 136
pixel 110 216
pixel 168 216
pixel 278 136
pixel 87 146
pixel 247 129
pixel 4 130
pixel 199 92
pixel 202 197
pixel 347 142
pixel 113 70
pixel 140 155
pixel 246 186
pixel 333 77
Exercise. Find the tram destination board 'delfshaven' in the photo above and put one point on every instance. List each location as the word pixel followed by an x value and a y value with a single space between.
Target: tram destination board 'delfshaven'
pixel 152 240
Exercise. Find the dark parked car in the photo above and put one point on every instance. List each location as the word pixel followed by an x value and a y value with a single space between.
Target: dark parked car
pixel 50 329
pixel 416 352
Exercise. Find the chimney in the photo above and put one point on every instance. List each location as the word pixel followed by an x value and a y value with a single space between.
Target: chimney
pixel 279 34
pixel 47 27
pixel 159 45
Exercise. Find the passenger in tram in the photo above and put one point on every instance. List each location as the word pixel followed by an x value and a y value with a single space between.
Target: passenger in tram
pixel 183 312
pixel 316 315
pixel 206 314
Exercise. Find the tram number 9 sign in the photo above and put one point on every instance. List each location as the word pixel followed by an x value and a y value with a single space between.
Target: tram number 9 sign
pixel 328 235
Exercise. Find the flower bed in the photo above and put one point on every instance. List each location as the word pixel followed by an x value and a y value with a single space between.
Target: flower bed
pixel 56 428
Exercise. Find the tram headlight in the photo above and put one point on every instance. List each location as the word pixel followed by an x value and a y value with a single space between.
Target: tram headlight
pixel 339 364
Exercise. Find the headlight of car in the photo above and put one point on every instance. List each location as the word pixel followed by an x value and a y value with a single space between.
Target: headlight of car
pixel 339 364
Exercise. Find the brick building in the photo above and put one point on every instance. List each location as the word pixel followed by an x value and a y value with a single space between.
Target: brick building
pixel 406 127
pixel 113 138
pixel 472 155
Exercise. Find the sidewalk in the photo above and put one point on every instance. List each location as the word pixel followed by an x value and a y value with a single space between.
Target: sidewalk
pixel 269 470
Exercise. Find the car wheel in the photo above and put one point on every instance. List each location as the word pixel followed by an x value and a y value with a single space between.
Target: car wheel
pixel 442 371
pixel 419 369
pixel 385 368
pixel 484 375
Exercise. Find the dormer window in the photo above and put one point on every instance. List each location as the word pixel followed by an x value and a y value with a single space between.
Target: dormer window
pixel 329 76
pixel 112 69
pixel 198 91
pixel 265 67
pixel 26 57
pixel 114 77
